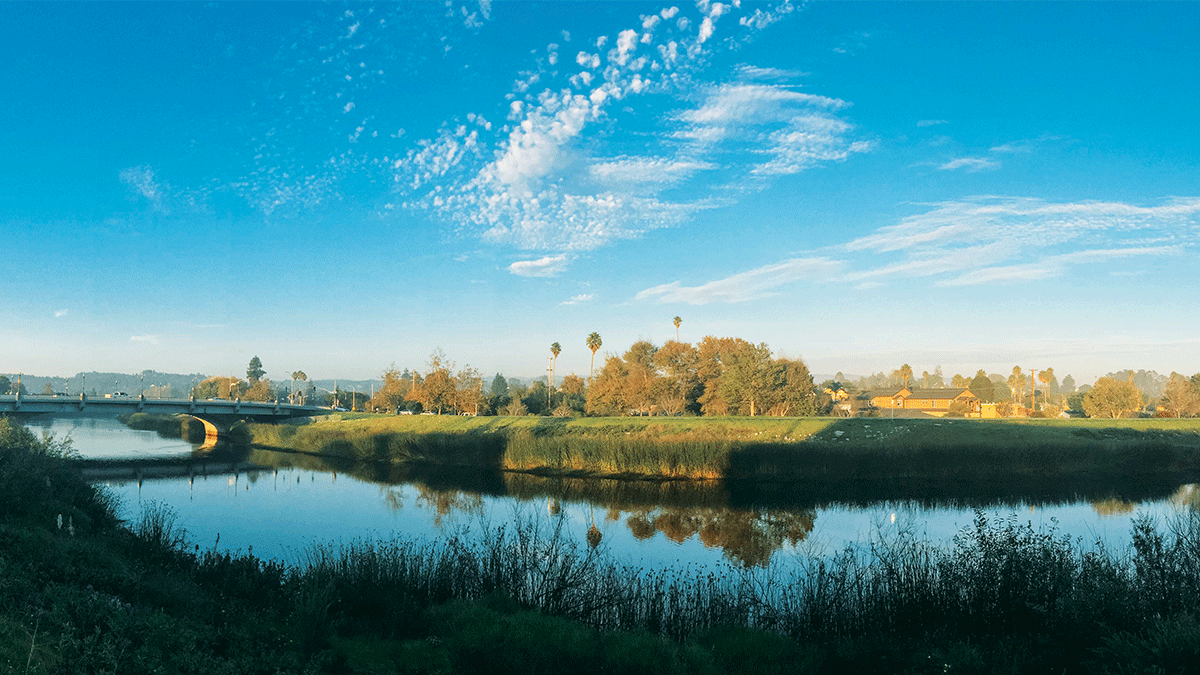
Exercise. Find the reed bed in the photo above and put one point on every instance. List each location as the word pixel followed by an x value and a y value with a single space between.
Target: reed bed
pixel 763 449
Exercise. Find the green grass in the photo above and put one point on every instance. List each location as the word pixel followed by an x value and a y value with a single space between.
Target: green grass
pixel 772 449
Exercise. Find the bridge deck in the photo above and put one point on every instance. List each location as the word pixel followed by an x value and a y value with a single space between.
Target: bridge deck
pixel 38 405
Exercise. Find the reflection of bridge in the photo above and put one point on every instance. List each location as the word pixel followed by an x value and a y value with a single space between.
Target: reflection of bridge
pixel 216 414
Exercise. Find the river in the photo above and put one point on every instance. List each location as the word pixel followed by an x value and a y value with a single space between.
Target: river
pixel 282 511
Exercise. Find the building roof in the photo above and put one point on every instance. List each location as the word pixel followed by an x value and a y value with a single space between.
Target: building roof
pixel 947 393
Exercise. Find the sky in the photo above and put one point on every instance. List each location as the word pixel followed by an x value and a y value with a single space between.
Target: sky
pixel 337 188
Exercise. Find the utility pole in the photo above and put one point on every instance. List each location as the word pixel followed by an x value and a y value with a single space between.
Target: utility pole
pixel 549 374
pixel 1032 388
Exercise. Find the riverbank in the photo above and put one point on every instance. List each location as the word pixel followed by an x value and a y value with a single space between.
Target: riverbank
pixel 763 449
pixel 80 593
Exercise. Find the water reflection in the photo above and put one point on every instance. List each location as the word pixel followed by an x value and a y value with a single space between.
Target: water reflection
pixel 747 524
pixel 663 522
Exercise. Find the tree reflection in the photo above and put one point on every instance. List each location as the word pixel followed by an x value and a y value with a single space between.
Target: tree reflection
pixel 1113 506
pixel 748 537
pixel 447 502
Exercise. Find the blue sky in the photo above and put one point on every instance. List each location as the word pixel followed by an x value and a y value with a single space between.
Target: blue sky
pixel 337 187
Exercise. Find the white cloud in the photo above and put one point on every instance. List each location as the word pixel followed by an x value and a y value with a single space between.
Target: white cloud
pixel 548 266
pixel 539 185
pixel 576 299
pixel 145 339
pixel 751 285
pixel 58 314
pixel 970 164
pixel 1004 239
pixel 641 171
pixel 931 123
pixel 982 240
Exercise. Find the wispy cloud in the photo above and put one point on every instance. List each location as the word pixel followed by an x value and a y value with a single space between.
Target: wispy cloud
pixel 931 123
pixel 970 164
pixel 751 285
pixel 576 299
pixel 976 241
pixel 58 314
pixel 548 266
pixel 145 339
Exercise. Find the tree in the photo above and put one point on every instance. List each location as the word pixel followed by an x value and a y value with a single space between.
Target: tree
pixel 391 396
pixel 302 377
pixel 677 321
pixel 1068 386
pixel 6 385
pixel 593 343
pixel 436 391
pixel 254 371
pixel 555 350
pixel 985 389
pixel 796 395
pixel 906 374
pixel 1016 383
pixel 1045 377
pixel 750 379
pixel 468 391
pixel 47 390
pixel 1111 398
pixel 1182 396
pixel 961 382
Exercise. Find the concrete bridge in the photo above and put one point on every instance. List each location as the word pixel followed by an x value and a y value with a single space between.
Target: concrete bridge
pixel 217 415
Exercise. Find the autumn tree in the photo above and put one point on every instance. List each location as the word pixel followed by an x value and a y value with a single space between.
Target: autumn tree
pixel 677 321
pixel 436 391
pixel 606 395
pixel 573 394
pixel 1111 398
pixel 677 364
pixel 393 394
pixel 1182 395
pixel 468 391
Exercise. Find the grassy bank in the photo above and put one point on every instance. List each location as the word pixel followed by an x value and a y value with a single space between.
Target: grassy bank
pixel 785 450
pixel 84 594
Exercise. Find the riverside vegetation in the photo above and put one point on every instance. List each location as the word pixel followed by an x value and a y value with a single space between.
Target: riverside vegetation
pixel 812 450
pixel 79 592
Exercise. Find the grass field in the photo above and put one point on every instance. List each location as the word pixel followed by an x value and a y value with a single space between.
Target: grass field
pixel 784 449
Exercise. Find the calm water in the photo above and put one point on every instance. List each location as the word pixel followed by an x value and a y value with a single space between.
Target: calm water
pixel 281 512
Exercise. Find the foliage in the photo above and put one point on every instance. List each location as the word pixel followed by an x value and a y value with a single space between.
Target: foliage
pixel 1111 398
pixel 1181 397
pixel 254 371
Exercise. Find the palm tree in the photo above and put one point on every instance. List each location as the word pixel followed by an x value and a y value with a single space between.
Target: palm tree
pixel 906 373
pixel 1044 377
pixel 677 321
pixel 555 350
pixel 593 343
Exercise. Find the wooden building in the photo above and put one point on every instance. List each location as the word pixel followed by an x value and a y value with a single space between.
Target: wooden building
pixel 934 402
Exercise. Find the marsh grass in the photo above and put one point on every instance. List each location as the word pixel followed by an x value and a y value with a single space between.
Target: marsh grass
pixel 807 450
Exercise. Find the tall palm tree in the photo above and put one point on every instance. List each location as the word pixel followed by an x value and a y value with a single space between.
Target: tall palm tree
pixel 677 321
pixel 1044 377
pixel 555 350
pixel 593 343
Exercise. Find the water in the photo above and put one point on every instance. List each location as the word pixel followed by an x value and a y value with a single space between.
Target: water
pixel 282 512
